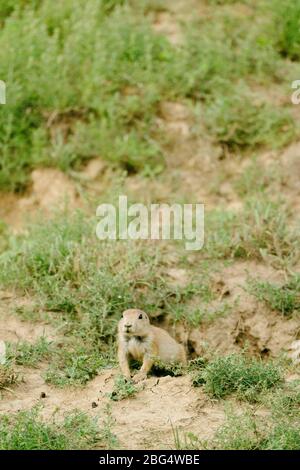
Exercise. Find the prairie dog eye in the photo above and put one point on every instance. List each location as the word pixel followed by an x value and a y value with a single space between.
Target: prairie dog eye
pixel 140 316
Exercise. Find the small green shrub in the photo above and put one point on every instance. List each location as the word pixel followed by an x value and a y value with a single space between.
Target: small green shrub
pixel 238 374
pixel 238 122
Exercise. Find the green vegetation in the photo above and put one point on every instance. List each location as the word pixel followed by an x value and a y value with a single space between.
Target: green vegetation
pixel 251 432
pixel 123 389
pixel 91 79
pixel 88 79
pixel 28 431
pixel 27 354
pixel 277 429
pixel 237 374
pixel 257 180
pixel 7 376
pixel 60 262
pixel 284 299
pixel 287 23
pixel 108 438
pixel 261 229
pixel 238 122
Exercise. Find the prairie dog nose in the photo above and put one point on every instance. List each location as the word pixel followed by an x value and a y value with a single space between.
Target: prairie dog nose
pixel 128 325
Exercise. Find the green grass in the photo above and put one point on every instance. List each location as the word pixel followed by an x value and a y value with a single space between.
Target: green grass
pixel 54 119
pixel 76 364
pixel 260 229
pixel 8 376
pixel 247 431
pixel 26 430
pixel 82 285
pixel 3 236
pixel 87 79
pixel 238 122
pixel 59 115
pixel 107 436
pixel 123 388
pixel 275 427
pixel 257 180
pixel 287 28
pixel 284 299
pixel 28 354
pixel 285 403
pixel 237 374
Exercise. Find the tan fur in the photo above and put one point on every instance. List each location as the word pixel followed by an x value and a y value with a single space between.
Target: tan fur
pixel 139 340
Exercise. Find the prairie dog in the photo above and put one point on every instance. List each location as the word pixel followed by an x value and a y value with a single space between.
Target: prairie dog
pixel 139 340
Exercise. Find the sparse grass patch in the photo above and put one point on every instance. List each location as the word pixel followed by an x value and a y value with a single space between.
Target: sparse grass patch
pixel 284 436
pixel 260 229
pixel 28 431
pixel 84 285
pixel 27 354
pixel 186 441
pixel 256 179
pixel 201 289
pixel 276 428
pixel 7 376
pixel 238 122
pixel 3 236
pixel 237 374
pixel 281 298
pixel 224 2
pixel 108 438
pixel 249 432
pixel 239 432
pixel 123 388
pixel 109 111
pixel 75 365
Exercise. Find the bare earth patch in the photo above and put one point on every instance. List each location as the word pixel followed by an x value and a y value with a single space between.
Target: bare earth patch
pixel 142 422
pixel 251 324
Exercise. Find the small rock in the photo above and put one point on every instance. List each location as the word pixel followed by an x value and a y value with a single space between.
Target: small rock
pixel 43 395
pixel 94 404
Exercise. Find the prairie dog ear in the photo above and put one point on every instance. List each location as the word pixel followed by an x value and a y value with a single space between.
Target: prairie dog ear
pixel 143 315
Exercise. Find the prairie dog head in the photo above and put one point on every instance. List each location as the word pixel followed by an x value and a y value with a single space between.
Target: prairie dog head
pixel 134 322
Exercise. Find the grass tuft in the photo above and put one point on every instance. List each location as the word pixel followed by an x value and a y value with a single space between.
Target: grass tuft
pixel 237 374
pixel 27 354
pixel 284 299
pixel 7 376
pixel 123 388
pixel 28 431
